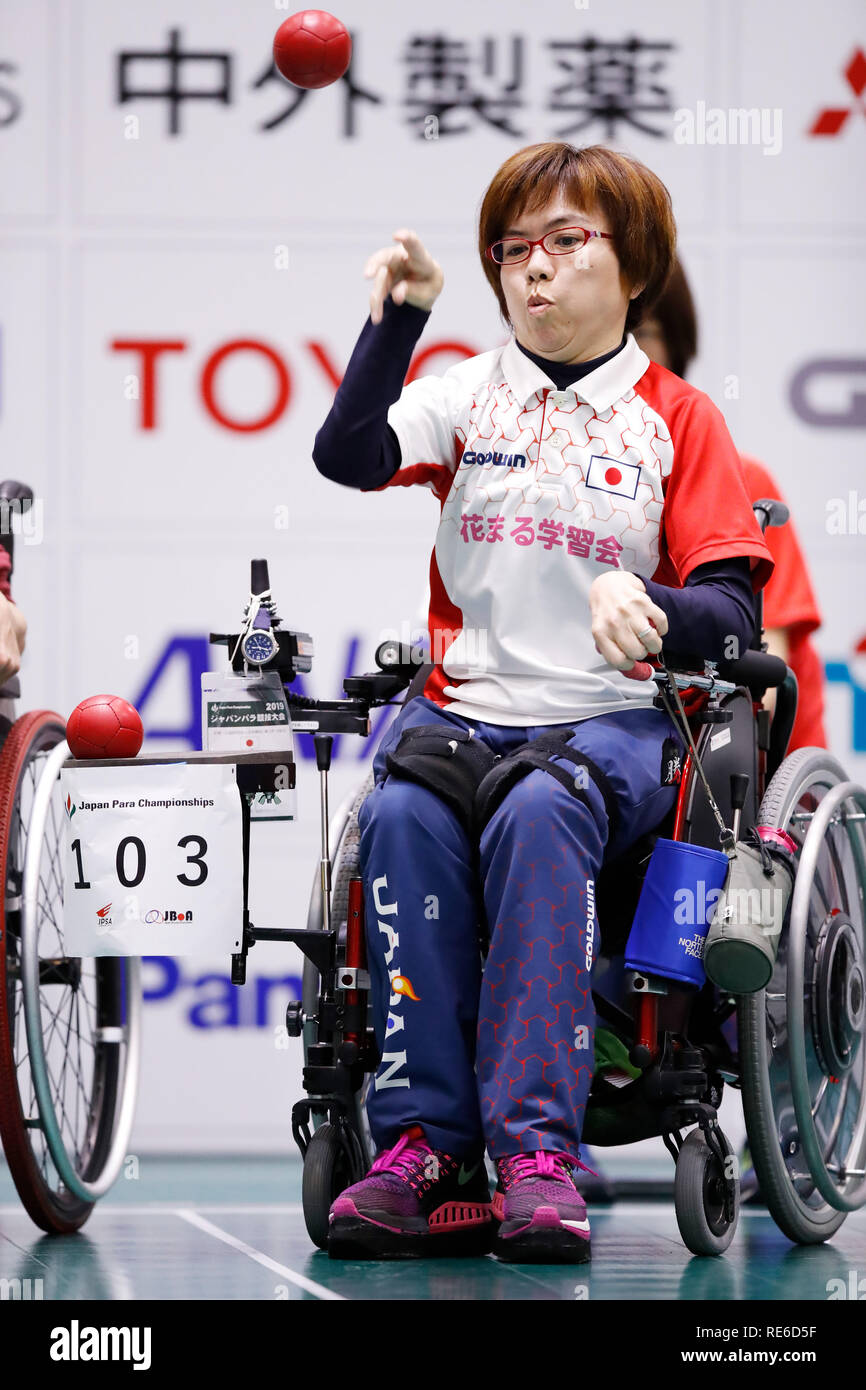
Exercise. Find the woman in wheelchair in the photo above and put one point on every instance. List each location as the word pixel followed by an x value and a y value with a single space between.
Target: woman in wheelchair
pixel 534 754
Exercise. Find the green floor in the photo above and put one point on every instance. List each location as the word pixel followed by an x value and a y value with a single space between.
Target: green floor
pixel 232 1228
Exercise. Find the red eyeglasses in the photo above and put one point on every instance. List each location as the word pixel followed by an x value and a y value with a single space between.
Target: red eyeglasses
pixel 561 242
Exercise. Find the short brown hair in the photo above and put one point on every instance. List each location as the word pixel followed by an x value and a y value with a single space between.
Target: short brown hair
pixel 675 312
pixel 632 198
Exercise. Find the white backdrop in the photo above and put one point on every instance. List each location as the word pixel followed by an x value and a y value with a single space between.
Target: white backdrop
pixel 249 223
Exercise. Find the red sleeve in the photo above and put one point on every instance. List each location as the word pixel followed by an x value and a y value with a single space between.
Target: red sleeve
pixel 789 599
pixel 5 567
pixel 707 514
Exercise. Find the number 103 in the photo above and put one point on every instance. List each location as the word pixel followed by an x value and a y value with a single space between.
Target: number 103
pixel 139 861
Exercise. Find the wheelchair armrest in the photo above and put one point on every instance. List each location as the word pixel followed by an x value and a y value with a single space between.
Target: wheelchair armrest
pixel 377 687
pixel 399 667
pixel 758 671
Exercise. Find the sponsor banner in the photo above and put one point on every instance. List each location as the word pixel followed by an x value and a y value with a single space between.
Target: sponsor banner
pixel 172 97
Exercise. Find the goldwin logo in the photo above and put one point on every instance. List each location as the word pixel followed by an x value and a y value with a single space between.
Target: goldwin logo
pixel 590 922
pixel 76 1343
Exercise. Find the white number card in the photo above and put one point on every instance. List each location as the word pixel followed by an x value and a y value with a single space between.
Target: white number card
pixel 154 860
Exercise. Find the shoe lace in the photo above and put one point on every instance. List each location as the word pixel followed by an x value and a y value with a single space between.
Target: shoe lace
pixel 410 1151
pixel 541 1163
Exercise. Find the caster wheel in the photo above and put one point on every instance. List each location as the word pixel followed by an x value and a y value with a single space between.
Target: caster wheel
pixel 699 1198
pixel 327 1173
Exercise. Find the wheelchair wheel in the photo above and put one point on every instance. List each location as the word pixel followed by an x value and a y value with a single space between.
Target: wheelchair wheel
pixel 802 1052
pixel 69 1027
pixel 699 1198
pixel 345 839
pixel 327 1173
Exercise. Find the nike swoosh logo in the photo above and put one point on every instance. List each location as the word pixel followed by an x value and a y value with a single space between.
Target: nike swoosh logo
pixel 578 1225
pixel 463 1177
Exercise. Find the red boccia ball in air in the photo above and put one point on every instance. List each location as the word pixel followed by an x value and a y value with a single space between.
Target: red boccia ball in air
pixel 104 726
pixel 312 48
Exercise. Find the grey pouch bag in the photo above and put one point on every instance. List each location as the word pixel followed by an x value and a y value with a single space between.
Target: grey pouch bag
pixel 743 940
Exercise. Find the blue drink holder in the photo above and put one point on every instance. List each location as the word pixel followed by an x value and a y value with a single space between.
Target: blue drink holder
pixel 679 893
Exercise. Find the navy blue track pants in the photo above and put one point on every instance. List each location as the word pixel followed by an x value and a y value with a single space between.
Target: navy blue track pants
pixel 505 1060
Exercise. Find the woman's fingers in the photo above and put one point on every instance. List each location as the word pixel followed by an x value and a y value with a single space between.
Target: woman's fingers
pixel 387 269
pixel 649 641
pixel 635 648
pixel 392 256
pixel 385 277
pixel 419 256
pixel 406 271
pixel 611 652
pixel 381 286
pixel 658 616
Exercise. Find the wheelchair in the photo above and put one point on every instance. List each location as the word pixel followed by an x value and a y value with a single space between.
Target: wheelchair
pixel 794 1049
pixel 69 1028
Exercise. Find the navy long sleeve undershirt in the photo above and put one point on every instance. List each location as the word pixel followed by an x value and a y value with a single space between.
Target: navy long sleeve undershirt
pixel 358 448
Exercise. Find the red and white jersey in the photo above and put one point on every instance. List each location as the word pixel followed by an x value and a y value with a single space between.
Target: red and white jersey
pixel 540 491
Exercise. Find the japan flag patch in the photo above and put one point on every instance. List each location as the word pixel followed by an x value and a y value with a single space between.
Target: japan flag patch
pixel 613 475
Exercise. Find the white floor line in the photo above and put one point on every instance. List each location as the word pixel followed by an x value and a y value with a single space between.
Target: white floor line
pixel 300 1280
pixel 110 1209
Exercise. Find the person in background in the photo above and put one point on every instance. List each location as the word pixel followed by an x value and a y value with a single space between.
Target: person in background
pixel 13 625
pixel 669 336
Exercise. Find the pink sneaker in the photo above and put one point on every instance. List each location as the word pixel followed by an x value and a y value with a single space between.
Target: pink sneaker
pixel 414 1201
pixel 542 1214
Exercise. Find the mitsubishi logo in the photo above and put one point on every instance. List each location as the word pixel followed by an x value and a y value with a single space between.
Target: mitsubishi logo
pixel 831 120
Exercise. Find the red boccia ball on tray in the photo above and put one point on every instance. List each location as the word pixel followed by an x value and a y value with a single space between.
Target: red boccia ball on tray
pixel 312 49
pixel 104 726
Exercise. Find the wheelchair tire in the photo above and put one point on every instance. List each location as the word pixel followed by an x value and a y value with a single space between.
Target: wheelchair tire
pixel 327 1173
pixel 792 1198
pixel 64 1022
pixel 345 837
pixel 699 1184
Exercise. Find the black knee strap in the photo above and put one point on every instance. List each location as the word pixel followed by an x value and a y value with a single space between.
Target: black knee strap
pixel 509 770
pixel 448 761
